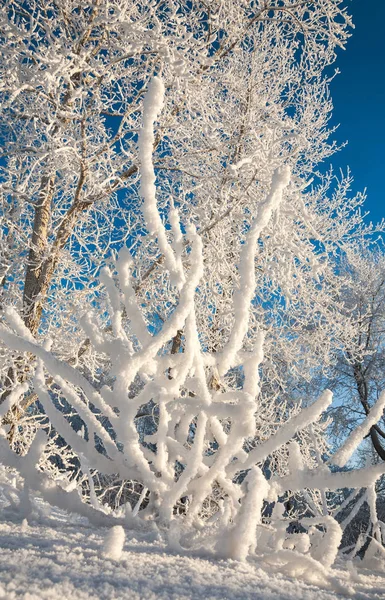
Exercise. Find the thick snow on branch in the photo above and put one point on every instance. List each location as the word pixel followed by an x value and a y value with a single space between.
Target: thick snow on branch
pixel 241 540
pixel 137 322
pixel 55 366
pixel 307 416
pixel 13 398
pixel 52 493
pixel 245 293
pixel 152 106
pixel 322 479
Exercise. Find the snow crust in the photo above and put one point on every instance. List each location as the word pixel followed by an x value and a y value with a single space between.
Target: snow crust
pixel 57 557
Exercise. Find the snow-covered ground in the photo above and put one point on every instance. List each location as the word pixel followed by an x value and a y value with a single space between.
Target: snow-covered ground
pixel 60 557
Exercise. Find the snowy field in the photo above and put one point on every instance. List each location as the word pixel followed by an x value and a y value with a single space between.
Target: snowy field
pixel 56 557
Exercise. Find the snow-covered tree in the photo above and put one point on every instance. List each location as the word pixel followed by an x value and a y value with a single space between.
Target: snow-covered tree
pixel 245 93
pixel 357 376
pixel 186 136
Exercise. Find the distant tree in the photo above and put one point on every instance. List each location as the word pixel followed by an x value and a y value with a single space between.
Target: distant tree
pixel 358 376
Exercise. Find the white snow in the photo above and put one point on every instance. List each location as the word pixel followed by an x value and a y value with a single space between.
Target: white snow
pixel 57 557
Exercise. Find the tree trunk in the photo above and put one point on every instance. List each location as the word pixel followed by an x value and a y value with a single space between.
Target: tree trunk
pixel 32 304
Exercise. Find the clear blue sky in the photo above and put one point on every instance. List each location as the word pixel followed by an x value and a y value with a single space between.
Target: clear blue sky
pixel 359 103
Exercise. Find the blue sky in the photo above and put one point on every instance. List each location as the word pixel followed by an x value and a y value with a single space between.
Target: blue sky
pixel 359 103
